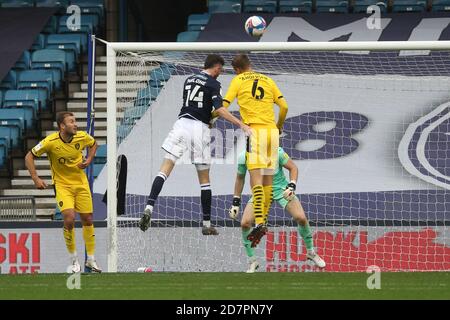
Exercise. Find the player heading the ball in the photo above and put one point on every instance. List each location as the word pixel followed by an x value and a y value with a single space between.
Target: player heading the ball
pixel 191 133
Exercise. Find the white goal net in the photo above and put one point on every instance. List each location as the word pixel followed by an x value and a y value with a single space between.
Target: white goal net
pixel 368 130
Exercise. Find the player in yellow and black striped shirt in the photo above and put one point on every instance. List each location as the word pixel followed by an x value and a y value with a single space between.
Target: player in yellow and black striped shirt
pixel 64 151
pixel 256 93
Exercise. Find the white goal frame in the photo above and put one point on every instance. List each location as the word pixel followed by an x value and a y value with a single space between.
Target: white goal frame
pixel 114 47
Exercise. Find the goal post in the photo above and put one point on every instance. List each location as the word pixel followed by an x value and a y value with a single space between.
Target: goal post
pixel 332 208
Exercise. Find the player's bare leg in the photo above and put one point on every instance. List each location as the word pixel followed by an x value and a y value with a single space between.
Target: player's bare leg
pixel 206 196
pixel 295 209
pixel 164 172
pixel 69 237
pixel 256 182
pixel 89 240
pixel 246 224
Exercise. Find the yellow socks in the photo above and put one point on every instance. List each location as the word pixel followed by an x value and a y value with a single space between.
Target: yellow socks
pixel 69 237
pixel 89 239
pixel 267 201
pixel 258 203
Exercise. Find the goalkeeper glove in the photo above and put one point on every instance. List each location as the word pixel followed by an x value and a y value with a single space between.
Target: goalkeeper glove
pixel 289 192
pixel 233 212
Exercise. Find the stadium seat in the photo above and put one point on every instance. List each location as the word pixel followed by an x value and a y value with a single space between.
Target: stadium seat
pixel 3 154
pixel 88 24
pixel 69 41
pixel 51 59
pixel 24 61
pixel 52 3
pixel 91 7
pixel 33 99
pixel 1 99
pixel 20 116
pixel 360 6
pixel 409 6
pixel 51 26
pixel 259 6
pixel 197 22
pixel 188 36
pixel 11 133
pixel 41 80
pixel 39 42
pixel 61 4
pixel 295 6
pixel 335 6
pixel 440 5
pixel 9 81
pixel 17 3
pixel 224 6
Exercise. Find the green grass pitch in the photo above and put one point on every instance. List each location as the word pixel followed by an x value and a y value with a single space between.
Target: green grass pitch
pixel 227 286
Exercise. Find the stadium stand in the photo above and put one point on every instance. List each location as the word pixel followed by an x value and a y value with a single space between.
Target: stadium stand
pixel 301 6
pixel 409 6
pixel 440 5
pixel 360 6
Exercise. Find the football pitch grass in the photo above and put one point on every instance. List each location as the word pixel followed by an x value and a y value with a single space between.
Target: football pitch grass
pixel 227 286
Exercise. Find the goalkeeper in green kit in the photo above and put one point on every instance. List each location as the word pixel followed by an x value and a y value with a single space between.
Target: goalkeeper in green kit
pixel 284 194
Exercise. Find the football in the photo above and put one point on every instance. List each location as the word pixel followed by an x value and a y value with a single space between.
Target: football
pixel 255 26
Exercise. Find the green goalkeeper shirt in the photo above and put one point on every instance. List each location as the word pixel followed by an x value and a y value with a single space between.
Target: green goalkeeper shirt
pixel 279 179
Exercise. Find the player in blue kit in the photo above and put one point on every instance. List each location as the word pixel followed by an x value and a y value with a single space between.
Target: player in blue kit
pixel 191 133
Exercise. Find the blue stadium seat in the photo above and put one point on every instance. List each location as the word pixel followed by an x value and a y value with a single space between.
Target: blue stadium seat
pixel 197 22
pixel 1 99
pixel 61 4
pixel 24 61
pixel 69 41
pixel 11 133
pixel 91 7
pixel 88 24
pixel 440 5
pixel 23 115
pixel 409 6
pixel 295 6
pixel 17 3
pixel 5 141
pixel 41 80
pixel 3 154
pixel 51 59
pixel 360 6
pixel 9 81
pixel 32 99
pixel 335 6
pixel 224 6
pixel 188 36
pixel 260 6
pixel 51 26
pixel 39 42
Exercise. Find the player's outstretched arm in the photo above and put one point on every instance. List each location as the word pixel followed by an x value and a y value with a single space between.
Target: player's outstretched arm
pixel 29 163
pixel 224 113
pixel 238 187
pixel 289 192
